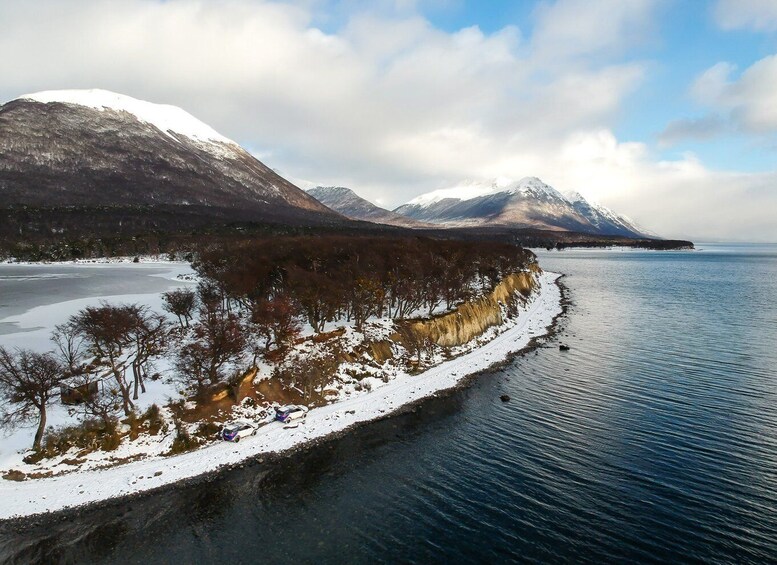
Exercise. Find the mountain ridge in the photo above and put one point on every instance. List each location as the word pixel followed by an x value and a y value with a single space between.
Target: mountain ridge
pixel 348 203
pixel 71 148
pixel 526 203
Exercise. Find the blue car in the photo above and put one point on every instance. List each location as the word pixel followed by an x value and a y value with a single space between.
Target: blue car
pixel 235 430
pixel 291 412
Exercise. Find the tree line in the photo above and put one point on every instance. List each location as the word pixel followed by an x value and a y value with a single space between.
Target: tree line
pixel 330 278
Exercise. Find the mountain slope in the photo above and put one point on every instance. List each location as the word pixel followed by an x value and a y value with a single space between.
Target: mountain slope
pixel 603 219
pixel 93 148
pixel 349 204
pixel 527 203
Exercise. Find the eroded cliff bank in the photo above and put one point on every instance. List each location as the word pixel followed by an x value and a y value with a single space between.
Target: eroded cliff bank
pixel 471 319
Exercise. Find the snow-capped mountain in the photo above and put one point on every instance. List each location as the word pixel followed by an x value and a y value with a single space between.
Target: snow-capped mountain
pixel 351 205
pixel 527 203
pixel 94 148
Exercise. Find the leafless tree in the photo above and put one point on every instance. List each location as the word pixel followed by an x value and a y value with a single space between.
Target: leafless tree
pixel 70 346
pixel 275 320
pixel 148 334
pixel 102 403
pixel 107 331
pixel 27 383
pixel 219 338
pixel 181 303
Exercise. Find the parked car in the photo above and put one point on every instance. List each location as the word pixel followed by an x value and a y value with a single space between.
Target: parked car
pixel 233 431
pixel 291 412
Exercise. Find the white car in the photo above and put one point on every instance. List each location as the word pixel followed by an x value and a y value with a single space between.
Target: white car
pixel 233 431
pixel 290 412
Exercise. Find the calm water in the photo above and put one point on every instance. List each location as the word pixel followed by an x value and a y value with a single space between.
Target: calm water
pixel 654 439
pixel 26 286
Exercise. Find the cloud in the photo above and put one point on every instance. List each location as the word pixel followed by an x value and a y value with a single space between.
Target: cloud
pixel 384 101
pixel 581 28
pixel 679 198
pixel 759 15
pixel 703 128
pixel 750 99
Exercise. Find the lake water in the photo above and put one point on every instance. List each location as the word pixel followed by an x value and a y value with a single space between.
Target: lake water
pixel 35 298
pixel 654 439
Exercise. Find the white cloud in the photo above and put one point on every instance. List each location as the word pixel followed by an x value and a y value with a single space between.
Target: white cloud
pixel 578 28
pixel 387 104
pixel 751 99
pixel 759 15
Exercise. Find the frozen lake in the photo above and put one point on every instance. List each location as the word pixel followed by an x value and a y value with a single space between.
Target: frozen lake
pixel 35 298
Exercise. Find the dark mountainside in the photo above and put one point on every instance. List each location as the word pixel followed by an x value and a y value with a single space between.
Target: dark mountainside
pixel 349 204
pixel 62 156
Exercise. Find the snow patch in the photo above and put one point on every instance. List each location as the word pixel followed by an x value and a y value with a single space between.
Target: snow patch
pixel 168 119
pixel 470 189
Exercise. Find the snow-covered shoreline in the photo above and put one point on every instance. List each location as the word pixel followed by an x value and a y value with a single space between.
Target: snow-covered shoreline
pixel 79 488
pixel 161 259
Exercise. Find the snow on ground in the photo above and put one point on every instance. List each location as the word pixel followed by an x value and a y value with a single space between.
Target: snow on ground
pixel 34 332
pixel 159 260
pixel 77 488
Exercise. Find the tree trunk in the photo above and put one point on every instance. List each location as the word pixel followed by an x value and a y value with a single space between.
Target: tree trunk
pixel 41 428
pixel 127 404
pixel 135 373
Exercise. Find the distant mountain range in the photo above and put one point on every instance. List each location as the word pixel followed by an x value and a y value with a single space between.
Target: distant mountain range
pixel 101 150
pixel 97 163
pixel 349 204
pixel 527 203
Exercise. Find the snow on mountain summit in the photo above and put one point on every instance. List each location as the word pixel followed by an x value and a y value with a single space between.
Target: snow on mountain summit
pixel 532 186
pixel 465 190
pixel 93 148
pixel 528 202
pixel 165 117
pixel 470 189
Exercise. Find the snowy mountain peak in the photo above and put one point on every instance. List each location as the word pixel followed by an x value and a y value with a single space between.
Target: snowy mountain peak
pixel 470 189
pixel 168 119
pixel 465 190
pixel 532 186
pixel 528 202
pixel 349 204
pixel 339 190
pixel 574 196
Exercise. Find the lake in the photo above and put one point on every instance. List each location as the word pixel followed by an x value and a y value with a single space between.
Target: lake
pixel 653 439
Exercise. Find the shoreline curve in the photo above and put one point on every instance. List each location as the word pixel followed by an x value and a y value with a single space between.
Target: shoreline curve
pixel 55 495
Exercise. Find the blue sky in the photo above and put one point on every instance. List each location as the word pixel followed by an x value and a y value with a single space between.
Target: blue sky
pixel 665 110
pixel 684 41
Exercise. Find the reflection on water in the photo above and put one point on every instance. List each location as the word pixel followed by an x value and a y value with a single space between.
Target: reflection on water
pixel 653 439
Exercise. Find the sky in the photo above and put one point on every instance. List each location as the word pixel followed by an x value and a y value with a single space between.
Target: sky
pixel 664 110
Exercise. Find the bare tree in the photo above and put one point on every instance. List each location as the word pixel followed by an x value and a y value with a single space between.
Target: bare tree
pixel 275 320
pixel 70 346
pixel 107 330
pixel 148 333
pixel 219 338
pixel 102 403
pixel 181 303
pixel 27 384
